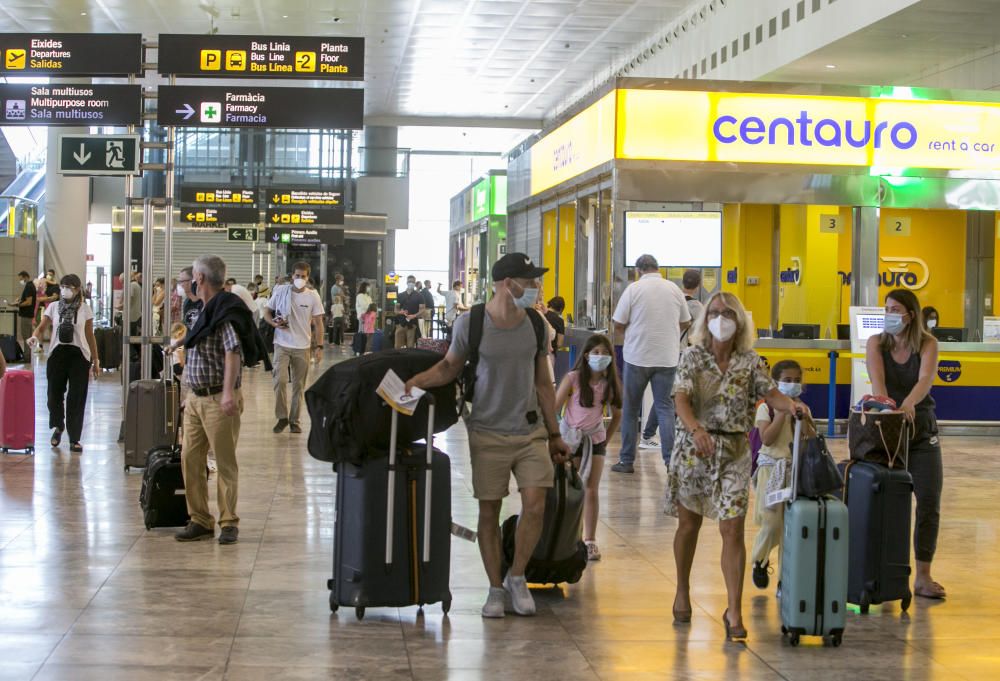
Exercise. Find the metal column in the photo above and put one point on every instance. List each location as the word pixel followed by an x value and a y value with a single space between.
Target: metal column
pixel 864 257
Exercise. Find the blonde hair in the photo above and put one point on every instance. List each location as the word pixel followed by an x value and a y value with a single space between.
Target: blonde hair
pixel 178 331
pixel 745 332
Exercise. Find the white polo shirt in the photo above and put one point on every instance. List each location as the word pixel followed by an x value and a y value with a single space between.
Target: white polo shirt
pixel 653 308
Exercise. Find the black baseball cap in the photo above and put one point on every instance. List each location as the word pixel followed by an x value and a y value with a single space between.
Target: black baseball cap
pixel 516 266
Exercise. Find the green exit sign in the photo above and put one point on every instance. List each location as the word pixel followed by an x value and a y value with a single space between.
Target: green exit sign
pixel 242 233
pixel 99 154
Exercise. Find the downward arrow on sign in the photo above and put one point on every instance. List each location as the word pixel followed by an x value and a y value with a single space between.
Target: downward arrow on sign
pixel 83 156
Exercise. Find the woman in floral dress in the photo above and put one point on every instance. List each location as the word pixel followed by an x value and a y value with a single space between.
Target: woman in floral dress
pixel 719 381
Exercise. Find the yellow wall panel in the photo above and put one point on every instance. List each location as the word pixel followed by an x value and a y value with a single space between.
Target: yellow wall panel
pixel 550 247
pixel 567 256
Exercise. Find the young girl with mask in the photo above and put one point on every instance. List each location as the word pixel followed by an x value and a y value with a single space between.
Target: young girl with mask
pixel 718 381
pixel 586 391
pixel 72 357
pixel 774 469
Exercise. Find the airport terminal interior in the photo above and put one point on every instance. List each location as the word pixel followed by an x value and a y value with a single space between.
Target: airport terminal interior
pixel 328 192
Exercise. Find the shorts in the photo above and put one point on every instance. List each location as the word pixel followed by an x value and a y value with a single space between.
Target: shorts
pixel 496 455
pixel 596 450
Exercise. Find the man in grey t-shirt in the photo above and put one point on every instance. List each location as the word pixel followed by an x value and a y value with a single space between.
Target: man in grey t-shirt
pixel 512 426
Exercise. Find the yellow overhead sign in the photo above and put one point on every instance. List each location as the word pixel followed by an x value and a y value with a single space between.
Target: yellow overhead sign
pixel 733 127
pixel 585 141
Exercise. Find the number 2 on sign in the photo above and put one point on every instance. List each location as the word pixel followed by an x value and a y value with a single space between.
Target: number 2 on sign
pixel 899 226
pixel 305 62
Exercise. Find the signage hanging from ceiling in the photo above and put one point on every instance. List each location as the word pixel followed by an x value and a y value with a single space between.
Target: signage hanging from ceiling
pixel 304 236
pixel 215 204
pixel 304 206
pixel 249 56
pixel 212 106
pixel 70 104
pixel 99 154
pixel 71 54
pixel 216 194
pixel 244 215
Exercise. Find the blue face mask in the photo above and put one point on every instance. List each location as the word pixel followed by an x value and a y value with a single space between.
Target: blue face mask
pixel 599 362
pixel 894 323
pixel 527 298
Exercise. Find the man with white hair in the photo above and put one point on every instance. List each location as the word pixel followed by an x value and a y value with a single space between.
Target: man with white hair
pixel 651 314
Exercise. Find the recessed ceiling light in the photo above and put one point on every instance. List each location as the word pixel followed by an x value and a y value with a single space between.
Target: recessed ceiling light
pixel 83 14
pixel 831 66
pixel 284 16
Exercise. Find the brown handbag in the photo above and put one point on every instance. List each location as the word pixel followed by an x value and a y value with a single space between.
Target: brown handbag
pixel 881 437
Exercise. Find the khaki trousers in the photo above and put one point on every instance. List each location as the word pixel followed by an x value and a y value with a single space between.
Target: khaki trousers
pixel 206 427
pixel 298 362
pixel 406 336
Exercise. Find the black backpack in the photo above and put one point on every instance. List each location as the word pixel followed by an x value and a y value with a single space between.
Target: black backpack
pixel 477 321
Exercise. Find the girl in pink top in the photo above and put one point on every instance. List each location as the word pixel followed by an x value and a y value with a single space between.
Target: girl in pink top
pixel 586 392
pixel 368 319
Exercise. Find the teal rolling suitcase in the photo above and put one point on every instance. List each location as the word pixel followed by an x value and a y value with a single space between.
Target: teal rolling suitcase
pixel 814 564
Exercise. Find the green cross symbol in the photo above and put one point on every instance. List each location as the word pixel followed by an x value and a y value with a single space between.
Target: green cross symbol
pixel 210 112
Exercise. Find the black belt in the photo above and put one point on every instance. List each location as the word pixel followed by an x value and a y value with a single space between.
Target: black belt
pixel 205 392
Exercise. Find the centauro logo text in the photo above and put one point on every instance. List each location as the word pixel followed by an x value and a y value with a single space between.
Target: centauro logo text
pixel 806 131
pixel 911 273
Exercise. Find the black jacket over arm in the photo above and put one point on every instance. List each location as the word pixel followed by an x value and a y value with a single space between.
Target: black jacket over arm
pixel 229 307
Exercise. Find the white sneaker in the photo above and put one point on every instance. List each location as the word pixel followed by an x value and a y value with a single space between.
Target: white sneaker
pixel 520 597
pixel 649 443
pixel 593 553
pixel 494 607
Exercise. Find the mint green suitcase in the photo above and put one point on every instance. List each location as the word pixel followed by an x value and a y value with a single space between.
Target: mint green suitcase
pixel 814 564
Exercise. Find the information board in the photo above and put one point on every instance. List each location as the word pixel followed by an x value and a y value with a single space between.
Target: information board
pixel 76 104
pixel 254 56
pixel 304 197
pixel 304 216
pixel 242 233
pixel 221 214
pixel 217 194
pixel 71 54
pixel 304 236
pixel 260 107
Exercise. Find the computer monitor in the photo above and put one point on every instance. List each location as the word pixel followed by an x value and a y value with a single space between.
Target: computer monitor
pixel 843 332
pixel 948 334
pixel 800 331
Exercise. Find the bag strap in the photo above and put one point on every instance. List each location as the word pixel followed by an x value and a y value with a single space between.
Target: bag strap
pixel 541 337
pixel 477 321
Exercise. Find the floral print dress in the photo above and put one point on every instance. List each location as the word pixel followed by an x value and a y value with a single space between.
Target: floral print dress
pixel 717 486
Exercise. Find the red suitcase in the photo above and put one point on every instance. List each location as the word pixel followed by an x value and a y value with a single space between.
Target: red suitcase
pixel 17 411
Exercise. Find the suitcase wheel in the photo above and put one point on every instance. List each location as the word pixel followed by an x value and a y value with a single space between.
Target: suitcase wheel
pixel 905 603
pixel 334 605
pixel 126 468
pixel 836 640
pixel 784 630
pixel 359 612
pixel 446 606
pixel 865 602
pixel 794 640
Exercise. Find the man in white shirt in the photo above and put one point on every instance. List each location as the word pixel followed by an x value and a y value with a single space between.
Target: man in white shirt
pixel 454 303
pixel 652 314
pixel 297 331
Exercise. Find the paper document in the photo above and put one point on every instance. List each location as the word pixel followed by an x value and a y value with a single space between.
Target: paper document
pixel 778 496
pixel 392 390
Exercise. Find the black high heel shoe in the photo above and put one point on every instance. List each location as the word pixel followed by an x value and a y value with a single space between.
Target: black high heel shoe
pixel 733 633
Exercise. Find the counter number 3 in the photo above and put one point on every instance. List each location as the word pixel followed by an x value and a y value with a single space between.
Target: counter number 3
pixel 831 224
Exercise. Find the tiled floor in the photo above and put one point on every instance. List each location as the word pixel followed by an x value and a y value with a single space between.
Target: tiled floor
pixel 87 593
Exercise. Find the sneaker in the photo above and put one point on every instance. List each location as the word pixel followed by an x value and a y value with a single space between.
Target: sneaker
pixel 593 553
pixel 649 443
pixel 760 574
pixel 494 607
pixel 230 534
pixel 280 425
pixel 194 532
pixel 622 467
pixel 295 428
pixel 520 597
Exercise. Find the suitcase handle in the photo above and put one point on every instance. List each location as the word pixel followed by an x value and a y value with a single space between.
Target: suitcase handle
pixel 391 492
pixel 796 447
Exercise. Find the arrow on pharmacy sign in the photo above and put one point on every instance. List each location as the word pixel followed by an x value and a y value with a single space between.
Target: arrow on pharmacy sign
pixel 187 111
pixel 99 154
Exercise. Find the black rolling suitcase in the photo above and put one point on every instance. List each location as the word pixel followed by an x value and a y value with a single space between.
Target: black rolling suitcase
pixel 878 501
pixel 11 349
pixel 162 497
pixel 392 533
pixel 109 347
pixel 561 555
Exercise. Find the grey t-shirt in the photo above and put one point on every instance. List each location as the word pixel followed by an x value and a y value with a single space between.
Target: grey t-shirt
pixel 505 376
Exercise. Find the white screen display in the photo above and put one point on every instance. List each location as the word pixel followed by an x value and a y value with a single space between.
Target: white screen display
pixel 675 239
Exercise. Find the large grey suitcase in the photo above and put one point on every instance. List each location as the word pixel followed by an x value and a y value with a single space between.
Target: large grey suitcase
pixel 392 532
pixel 150 419
pixel 814 563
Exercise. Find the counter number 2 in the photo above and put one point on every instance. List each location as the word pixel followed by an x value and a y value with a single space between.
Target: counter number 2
pixel 897 226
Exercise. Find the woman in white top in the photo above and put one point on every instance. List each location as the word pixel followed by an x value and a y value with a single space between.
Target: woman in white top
pixel 362 301
pixel 72 357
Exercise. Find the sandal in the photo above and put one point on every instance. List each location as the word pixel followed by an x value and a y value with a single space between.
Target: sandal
pixel 56 437
pixel 75 447
pixel 937 593
pixel 682 616
pixel 733 633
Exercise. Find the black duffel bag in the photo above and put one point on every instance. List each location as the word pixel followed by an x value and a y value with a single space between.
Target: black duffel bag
pixel 350 422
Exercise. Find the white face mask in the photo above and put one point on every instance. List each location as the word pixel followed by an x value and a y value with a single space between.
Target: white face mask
pixel 66 292
pixel 792 390
pixel 527 298
pixel 599 362
pixel 180 291
pixel 722 329
pixel 299 283
pixel 931 323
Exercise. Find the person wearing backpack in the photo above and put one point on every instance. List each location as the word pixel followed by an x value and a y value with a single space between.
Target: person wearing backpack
pixel 774 467
pixel 512 424
pixel 72 358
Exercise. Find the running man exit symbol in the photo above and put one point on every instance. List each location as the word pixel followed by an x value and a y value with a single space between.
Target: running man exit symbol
pixel 114 155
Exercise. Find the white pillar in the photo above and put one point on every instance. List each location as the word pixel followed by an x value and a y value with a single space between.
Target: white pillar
pixel 67 214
